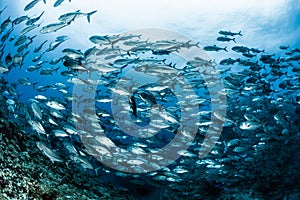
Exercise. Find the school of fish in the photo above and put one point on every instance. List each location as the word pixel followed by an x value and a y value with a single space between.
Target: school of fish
pixel 263 99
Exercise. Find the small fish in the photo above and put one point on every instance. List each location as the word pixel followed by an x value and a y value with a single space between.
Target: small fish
pixel 51 154
pixel 58 2
pixel 6 35
pixel 37 126
pixel 68 73
pixel 48 71
pixel 228 61
pixel 147 97
pixel 240 49
pixel 10 102
pixel 32 68
pixel 20 19
pixel 32 4
pixel 22 39
pixel 40 97
pixel 18 59
pixel 254 50
pixel 284 47
pixel 54 45
pixel 1 11
pixel 61 38
pixel 33 20
pixel 55 105
pixel 38 57
pixel 214 48
pixel 54 61
pixel 229 33
pixel 60 133
pixel 23 47
pixel 267 59
pixel 161 52
pixel 249 125
pixel 248 55
pixel 53 27
pixel 36 110
pixel 73 54
pixel 3 68
pixel 101 40
pixel 69 17
pixel 38 48
pixel 26 82
pixel 28 29
pixel 5 24
pixel 247 63
pixel 226 39
pixel 74 64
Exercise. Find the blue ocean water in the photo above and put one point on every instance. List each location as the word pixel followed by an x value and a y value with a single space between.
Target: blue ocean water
pixel 266 26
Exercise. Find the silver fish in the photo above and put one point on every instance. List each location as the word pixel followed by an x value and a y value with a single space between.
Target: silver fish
pixel 32 4
pixel 20 19
pixel 28 29
pixel 26 82
pixel 48 71
pixel 22 39
pixel 249 125
pixel 36 110
pixel 5 24
pixel 37 126
pixel 54 45
pixel 58 2
pixel 3 68
pixel 1 11
pixel 55 105
pixel 38 48
pixel 72 53
pixel 32 68
pixel 51 154
pixel 33 20
pixel 71 16
pixel 53 27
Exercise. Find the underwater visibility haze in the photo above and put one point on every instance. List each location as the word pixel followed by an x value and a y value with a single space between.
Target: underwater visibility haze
pixel 149 99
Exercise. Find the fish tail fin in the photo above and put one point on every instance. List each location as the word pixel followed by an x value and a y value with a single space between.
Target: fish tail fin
pixel 225 49
pixel 31 39
pixel 41 14
pixel 234 40
pixel 19 95
pixel 89 15
pixel 240 33
pixel 197 44
pixel 34 84
pixel 56 69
